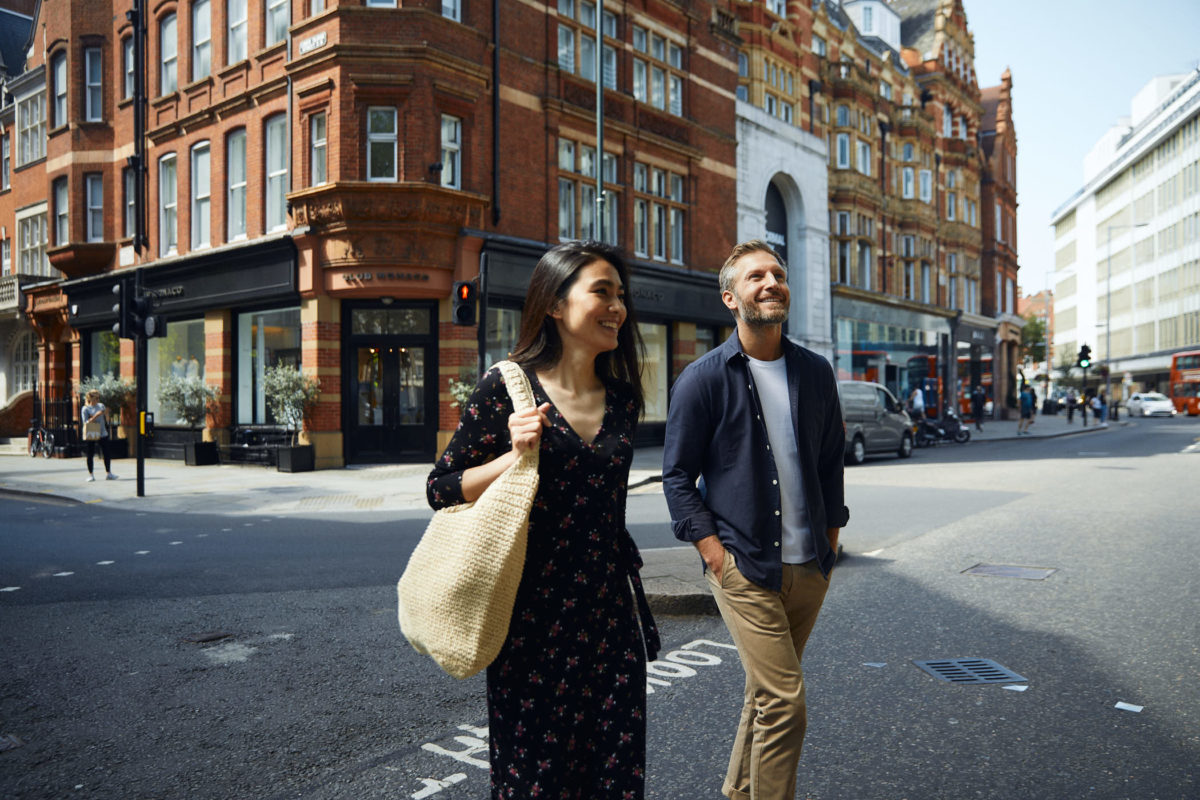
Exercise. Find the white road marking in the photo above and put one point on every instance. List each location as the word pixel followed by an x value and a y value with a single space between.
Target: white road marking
pixel 63 574
pixel 223 530
pixel 229 653
pixel 873 553
pixel 201 535
pixel 104 563
pixel 141 552
pixel 11 589
pixel 433 785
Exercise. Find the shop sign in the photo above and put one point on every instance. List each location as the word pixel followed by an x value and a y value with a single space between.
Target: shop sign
pixel 312 43
pixel 359 278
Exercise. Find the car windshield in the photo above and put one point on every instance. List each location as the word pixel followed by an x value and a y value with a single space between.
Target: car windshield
pixel 1154 396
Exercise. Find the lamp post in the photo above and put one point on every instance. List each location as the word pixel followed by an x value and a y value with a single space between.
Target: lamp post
pixel 1108 312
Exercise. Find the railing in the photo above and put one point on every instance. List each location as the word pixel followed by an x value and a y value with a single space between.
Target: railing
pixel 10 293
pixel 57 417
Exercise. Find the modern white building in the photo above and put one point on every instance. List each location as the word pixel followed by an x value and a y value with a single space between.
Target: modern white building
pixel 1127 244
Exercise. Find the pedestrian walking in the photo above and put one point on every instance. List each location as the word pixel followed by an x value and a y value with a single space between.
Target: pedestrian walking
pixel 1100 408
pixel 1072 399
pixel 978 400
pixel 916 403
pixel 759 419
pixel 567 693
pixel 1084 402
pixel 94 416
pixel 1026 402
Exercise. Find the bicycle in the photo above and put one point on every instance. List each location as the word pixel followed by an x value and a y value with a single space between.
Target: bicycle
pixel 41 441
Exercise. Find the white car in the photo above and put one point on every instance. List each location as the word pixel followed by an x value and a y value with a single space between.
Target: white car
pixel 1150 404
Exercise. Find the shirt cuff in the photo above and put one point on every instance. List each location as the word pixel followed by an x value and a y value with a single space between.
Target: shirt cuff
pixel 693 529
pixel 838 518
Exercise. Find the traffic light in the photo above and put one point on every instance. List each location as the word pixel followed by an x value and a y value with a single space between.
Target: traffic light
pixel 1085 357
pixel 147 324
pixel 123 308
pixel 462 306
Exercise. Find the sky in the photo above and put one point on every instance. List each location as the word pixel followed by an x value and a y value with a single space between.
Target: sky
pixel 1076 65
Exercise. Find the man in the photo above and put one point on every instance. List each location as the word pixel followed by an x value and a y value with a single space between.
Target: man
pixel 1026 400
pixel 978 402
pixel 1071 401
pixel 759 420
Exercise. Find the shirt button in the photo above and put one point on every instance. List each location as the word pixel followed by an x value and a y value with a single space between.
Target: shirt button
pixel 777 512
pixel 774 483
pixel 777 544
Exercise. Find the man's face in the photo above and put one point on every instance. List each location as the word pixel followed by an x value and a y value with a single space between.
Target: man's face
pixel 760 294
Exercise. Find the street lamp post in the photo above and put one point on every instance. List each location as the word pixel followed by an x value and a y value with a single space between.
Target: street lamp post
pixel 1108 314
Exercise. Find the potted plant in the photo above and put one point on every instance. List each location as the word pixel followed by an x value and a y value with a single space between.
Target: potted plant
pixel 291 395
pixel 115 394
pixel 190 398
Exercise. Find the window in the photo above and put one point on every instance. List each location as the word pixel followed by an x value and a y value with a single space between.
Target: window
pixel 201 40
pixel 885 90
pixel 129 182
pixel 278 18
pixel 926 186
pixel 127 65
pixel 5 160
pixel 264 339
pixel 844 261
pixel 843 151
pixel 907 179
pixel 236 36
pixel 168 48
pixel 863 273
pixel 666 82
pixel 6 256
pixel 316 7
pixel 381 144
pixel 925 282
pixel 317 150
pixel 819 47
pixel 277 172
pixel 235 169
pixel 180 352
pixel 908 152
pixel 94 189
pixel 868 20
pixel 452 9
pixel 93 109
pixel 962 128
pixel 999 229
pixel 201 196
pixel 381 3
pixel 641 228
pixel 864 158
pixel 168 200
pixel 62 228
pixel 58 75
pixel 769 103
pixel 778 7
pixel 566 208
pixel 843 116
pixel 31 244
pixel 947 122
pixel 743 65
pixel 451 152
pixel 25 364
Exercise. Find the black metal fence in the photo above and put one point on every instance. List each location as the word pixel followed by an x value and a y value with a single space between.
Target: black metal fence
pixel 57 417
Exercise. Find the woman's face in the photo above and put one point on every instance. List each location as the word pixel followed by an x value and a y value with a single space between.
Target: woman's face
pixel 593 311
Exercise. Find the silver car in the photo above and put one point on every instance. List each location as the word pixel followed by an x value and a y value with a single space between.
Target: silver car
pixel 875 421
pixel 1150 404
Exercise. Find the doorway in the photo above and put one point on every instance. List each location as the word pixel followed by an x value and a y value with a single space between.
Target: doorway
pixel 392 388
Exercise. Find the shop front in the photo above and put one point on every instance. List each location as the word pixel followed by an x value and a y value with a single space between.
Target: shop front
pixel 976 365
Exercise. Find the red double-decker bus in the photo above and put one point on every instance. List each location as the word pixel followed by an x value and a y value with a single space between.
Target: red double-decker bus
pixel 1185 382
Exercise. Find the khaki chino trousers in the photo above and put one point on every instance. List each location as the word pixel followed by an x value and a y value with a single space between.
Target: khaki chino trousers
pixel 770 630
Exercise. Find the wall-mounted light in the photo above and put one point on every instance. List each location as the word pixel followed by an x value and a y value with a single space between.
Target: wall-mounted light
pixel 387 301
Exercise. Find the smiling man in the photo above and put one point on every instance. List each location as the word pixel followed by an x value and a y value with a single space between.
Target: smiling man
pixel 759 422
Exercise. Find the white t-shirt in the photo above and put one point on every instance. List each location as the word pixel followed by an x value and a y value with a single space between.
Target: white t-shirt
pixel 770 377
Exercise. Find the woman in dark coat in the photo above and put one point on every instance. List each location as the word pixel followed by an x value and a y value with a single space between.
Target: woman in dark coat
pixel 567 694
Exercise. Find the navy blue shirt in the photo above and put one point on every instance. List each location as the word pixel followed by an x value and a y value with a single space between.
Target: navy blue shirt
pixel 715 431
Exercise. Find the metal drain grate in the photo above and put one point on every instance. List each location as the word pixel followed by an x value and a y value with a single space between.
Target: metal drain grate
pixel 1011 571
pixel 970 670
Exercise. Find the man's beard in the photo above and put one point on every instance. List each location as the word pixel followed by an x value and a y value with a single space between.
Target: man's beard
pixel 757 315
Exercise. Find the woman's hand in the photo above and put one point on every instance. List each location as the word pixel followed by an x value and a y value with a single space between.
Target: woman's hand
pixel 525 428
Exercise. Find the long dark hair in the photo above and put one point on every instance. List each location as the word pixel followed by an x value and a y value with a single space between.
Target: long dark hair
pixel 539 345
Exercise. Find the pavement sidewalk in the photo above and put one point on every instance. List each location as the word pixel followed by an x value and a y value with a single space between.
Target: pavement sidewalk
pixel 672 576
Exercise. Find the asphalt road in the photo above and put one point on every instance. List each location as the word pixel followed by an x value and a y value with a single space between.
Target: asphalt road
pixel 300 686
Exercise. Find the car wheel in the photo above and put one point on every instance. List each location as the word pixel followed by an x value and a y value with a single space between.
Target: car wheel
pixel 906 446
pixel 858 452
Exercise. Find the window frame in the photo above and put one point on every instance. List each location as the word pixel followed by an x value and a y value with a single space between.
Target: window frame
pixel 237 32
pixel 842 151
pixel 129 203
pixel 31 137
pixel 127 85
pixel 451 152
pixel 272 11
pixel 384 138
pixel 277 176
pixel 58 89
pixel 201 48
pixel 93 214
pixel 168 206
pixel 60 191
pixel 318 149
pixel 201 197
pixel 236 189
pixel 93 92
pixel 168 73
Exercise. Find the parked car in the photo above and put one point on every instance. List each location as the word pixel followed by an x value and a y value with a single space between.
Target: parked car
pixel 1150 404
pixel 875 421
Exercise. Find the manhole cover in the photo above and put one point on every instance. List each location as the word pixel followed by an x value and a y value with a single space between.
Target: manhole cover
pixel 1011 571
pixel 970 670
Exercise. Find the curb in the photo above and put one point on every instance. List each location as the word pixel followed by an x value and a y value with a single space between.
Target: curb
pixel 32 495
pixel 681 605
pixel 1059 435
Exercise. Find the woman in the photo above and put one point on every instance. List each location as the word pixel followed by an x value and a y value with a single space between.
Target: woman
pixel 92 410
pixel 567 694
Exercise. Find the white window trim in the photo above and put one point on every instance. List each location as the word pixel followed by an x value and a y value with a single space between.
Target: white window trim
pixel 384 138
pixel 168 245
pixel 201 45
pixel 95 232
pixel 58 85
pixel 452 153
pixel 318 146
pixel 235 187
pixel 235 27
pixel 60 190
pixel 168 60
pixel 93 108
pixel 201 195
pixel 280 174
pixel 35 215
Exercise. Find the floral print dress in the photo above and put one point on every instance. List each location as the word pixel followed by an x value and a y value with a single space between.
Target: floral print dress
pixel 567 694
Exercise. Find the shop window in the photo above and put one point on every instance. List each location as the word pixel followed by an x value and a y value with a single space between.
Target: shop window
pixel 180 354
pixel 168 206
pixel 168 49
pixel 62 213
pixel 93 110
pixel 451 152
pixel 656 370
pixel 201 39
pixel 235 171
pixel 278 19
pixel 381 144
pixel 317 169
pixel 104 354
pixel 503 329
pixel 277 172
pixel 58 78
pixel 235 47
pixel 201 197
pixel 94 196
pixel 265 339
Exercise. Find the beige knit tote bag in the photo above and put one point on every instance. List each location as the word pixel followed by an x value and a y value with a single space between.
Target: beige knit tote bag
pixel 457 592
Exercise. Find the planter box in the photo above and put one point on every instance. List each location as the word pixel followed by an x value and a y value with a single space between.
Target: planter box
pixel 200 454
pixel 296 459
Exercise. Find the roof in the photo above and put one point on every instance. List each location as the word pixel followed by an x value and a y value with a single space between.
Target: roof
pixel 917 23
pixel 14 36
pixel 990 98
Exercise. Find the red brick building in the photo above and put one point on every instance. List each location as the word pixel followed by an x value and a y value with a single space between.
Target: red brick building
pixel 320 173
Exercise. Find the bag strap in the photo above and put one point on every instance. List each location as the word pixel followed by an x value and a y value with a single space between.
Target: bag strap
pixel 517 383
